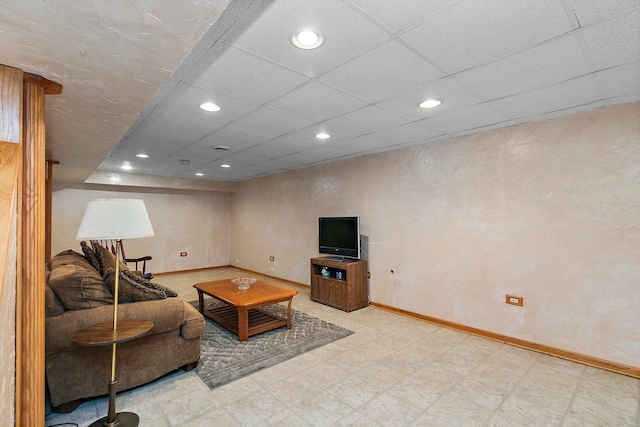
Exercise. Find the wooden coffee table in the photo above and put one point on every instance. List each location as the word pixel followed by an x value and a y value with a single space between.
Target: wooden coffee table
pixel 241 314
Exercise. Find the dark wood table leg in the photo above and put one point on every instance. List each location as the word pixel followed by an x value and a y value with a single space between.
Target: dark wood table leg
pixel 243 324
pixel 289 313
pixel 200 301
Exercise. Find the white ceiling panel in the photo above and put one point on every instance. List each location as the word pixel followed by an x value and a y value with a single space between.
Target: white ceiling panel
pixel 317 101
pixel 147 137
pixel 620 81
pixel 473 117
pixel 562 96
pixel 407 133
pixel 367 120
pixel 544 65
pixel 396 16
pixel 347 34
pixel 614 43
pixel 182 123
pixel 245 76
pixel 453 95
pixel 336 134
pixel 273 121
pixel 383 72
pixel 187 100
pixel 239 134
pixel 589 11
pixel 477 32
pixel 282 146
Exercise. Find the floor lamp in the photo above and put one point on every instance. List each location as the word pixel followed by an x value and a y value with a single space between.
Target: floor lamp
pixel 115 219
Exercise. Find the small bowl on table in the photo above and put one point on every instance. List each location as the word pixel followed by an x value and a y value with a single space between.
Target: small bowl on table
pixel 244 283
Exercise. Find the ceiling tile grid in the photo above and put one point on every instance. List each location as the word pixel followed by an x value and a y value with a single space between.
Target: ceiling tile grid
pixel 492 64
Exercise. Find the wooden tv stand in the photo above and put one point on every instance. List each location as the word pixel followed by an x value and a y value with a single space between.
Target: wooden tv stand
pixel 348 293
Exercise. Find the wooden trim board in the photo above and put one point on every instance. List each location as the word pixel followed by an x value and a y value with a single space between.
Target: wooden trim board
pixel 517 342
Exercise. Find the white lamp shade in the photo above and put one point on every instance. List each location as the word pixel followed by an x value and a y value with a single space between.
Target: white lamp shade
pixel 115 219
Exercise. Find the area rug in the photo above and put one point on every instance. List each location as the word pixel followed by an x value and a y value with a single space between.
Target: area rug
pixel 224 359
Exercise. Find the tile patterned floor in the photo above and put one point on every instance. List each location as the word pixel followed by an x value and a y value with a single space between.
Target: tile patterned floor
pixel 394 371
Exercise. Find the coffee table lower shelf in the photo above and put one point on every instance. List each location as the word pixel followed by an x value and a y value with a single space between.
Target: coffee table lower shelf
pixel 258 321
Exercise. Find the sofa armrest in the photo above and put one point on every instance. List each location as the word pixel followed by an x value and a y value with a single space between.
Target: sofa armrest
pixel 166 315
pixel 193 326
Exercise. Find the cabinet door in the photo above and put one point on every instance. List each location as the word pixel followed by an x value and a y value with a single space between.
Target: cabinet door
pixel 322 289
pixel 338 293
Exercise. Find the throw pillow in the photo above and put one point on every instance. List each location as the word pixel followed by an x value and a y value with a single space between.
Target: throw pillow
pixel 106 258
pixel 130 290
pixel 134 276
pixel 90 255
pixel 76 283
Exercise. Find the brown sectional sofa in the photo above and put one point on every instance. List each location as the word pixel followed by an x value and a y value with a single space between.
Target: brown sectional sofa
pixel 76 297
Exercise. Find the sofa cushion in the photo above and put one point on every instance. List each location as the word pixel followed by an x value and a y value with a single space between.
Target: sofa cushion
pixel 52 304
pixel 76 283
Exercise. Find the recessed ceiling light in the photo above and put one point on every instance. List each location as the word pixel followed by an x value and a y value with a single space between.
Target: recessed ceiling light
pixel 430 103
pixel 307 39
pixel 323 136
pixel 142 156
pixel 199 174
pixel 221 148
pixel 185 162
pixel 209 106
pixel 127 167
pixel 225 166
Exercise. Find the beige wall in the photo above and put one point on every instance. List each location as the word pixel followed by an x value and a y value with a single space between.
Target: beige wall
pixel 549 211
pixel 196 224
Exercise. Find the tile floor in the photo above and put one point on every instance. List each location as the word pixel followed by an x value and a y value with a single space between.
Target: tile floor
pixel 394 371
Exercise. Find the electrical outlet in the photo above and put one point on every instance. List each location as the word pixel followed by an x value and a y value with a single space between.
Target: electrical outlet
pixel 272 258
pixel 183 254
pixel 514 300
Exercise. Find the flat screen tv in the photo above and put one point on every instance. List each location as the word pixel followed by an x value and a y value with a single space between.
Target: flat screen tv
pixel 339 236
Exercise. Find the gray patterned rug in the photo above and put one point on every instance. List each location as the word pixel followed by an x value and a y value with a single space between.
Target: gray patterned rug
pixel 224 359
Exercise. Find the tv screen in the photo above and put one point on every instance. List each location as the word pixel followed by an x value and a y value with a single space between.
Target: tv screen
pixel 339 236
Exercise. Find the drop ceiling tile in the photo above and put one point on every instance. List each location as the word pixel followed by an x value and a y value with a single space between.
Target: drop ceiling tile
pixel 347 34
pixel 240 160
pixel 476 33
pixel 146 137
pixel 182 123
pixel 367 120
pixel 562 96
pixel 272 121
pixel 207 146
pixel 383 72
pixel 473 117
pixel 317 101
pixel 282 146
pixel 240 134
pixel 406 133
pixel 248 77
pixel 452 94
pixel 360 144
pixel 614 43
pixel 533 69
pixel 621 81
pixel 187 100
pixel 395 17
pixel 315 155
pixel 588 12
pixel 309 134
